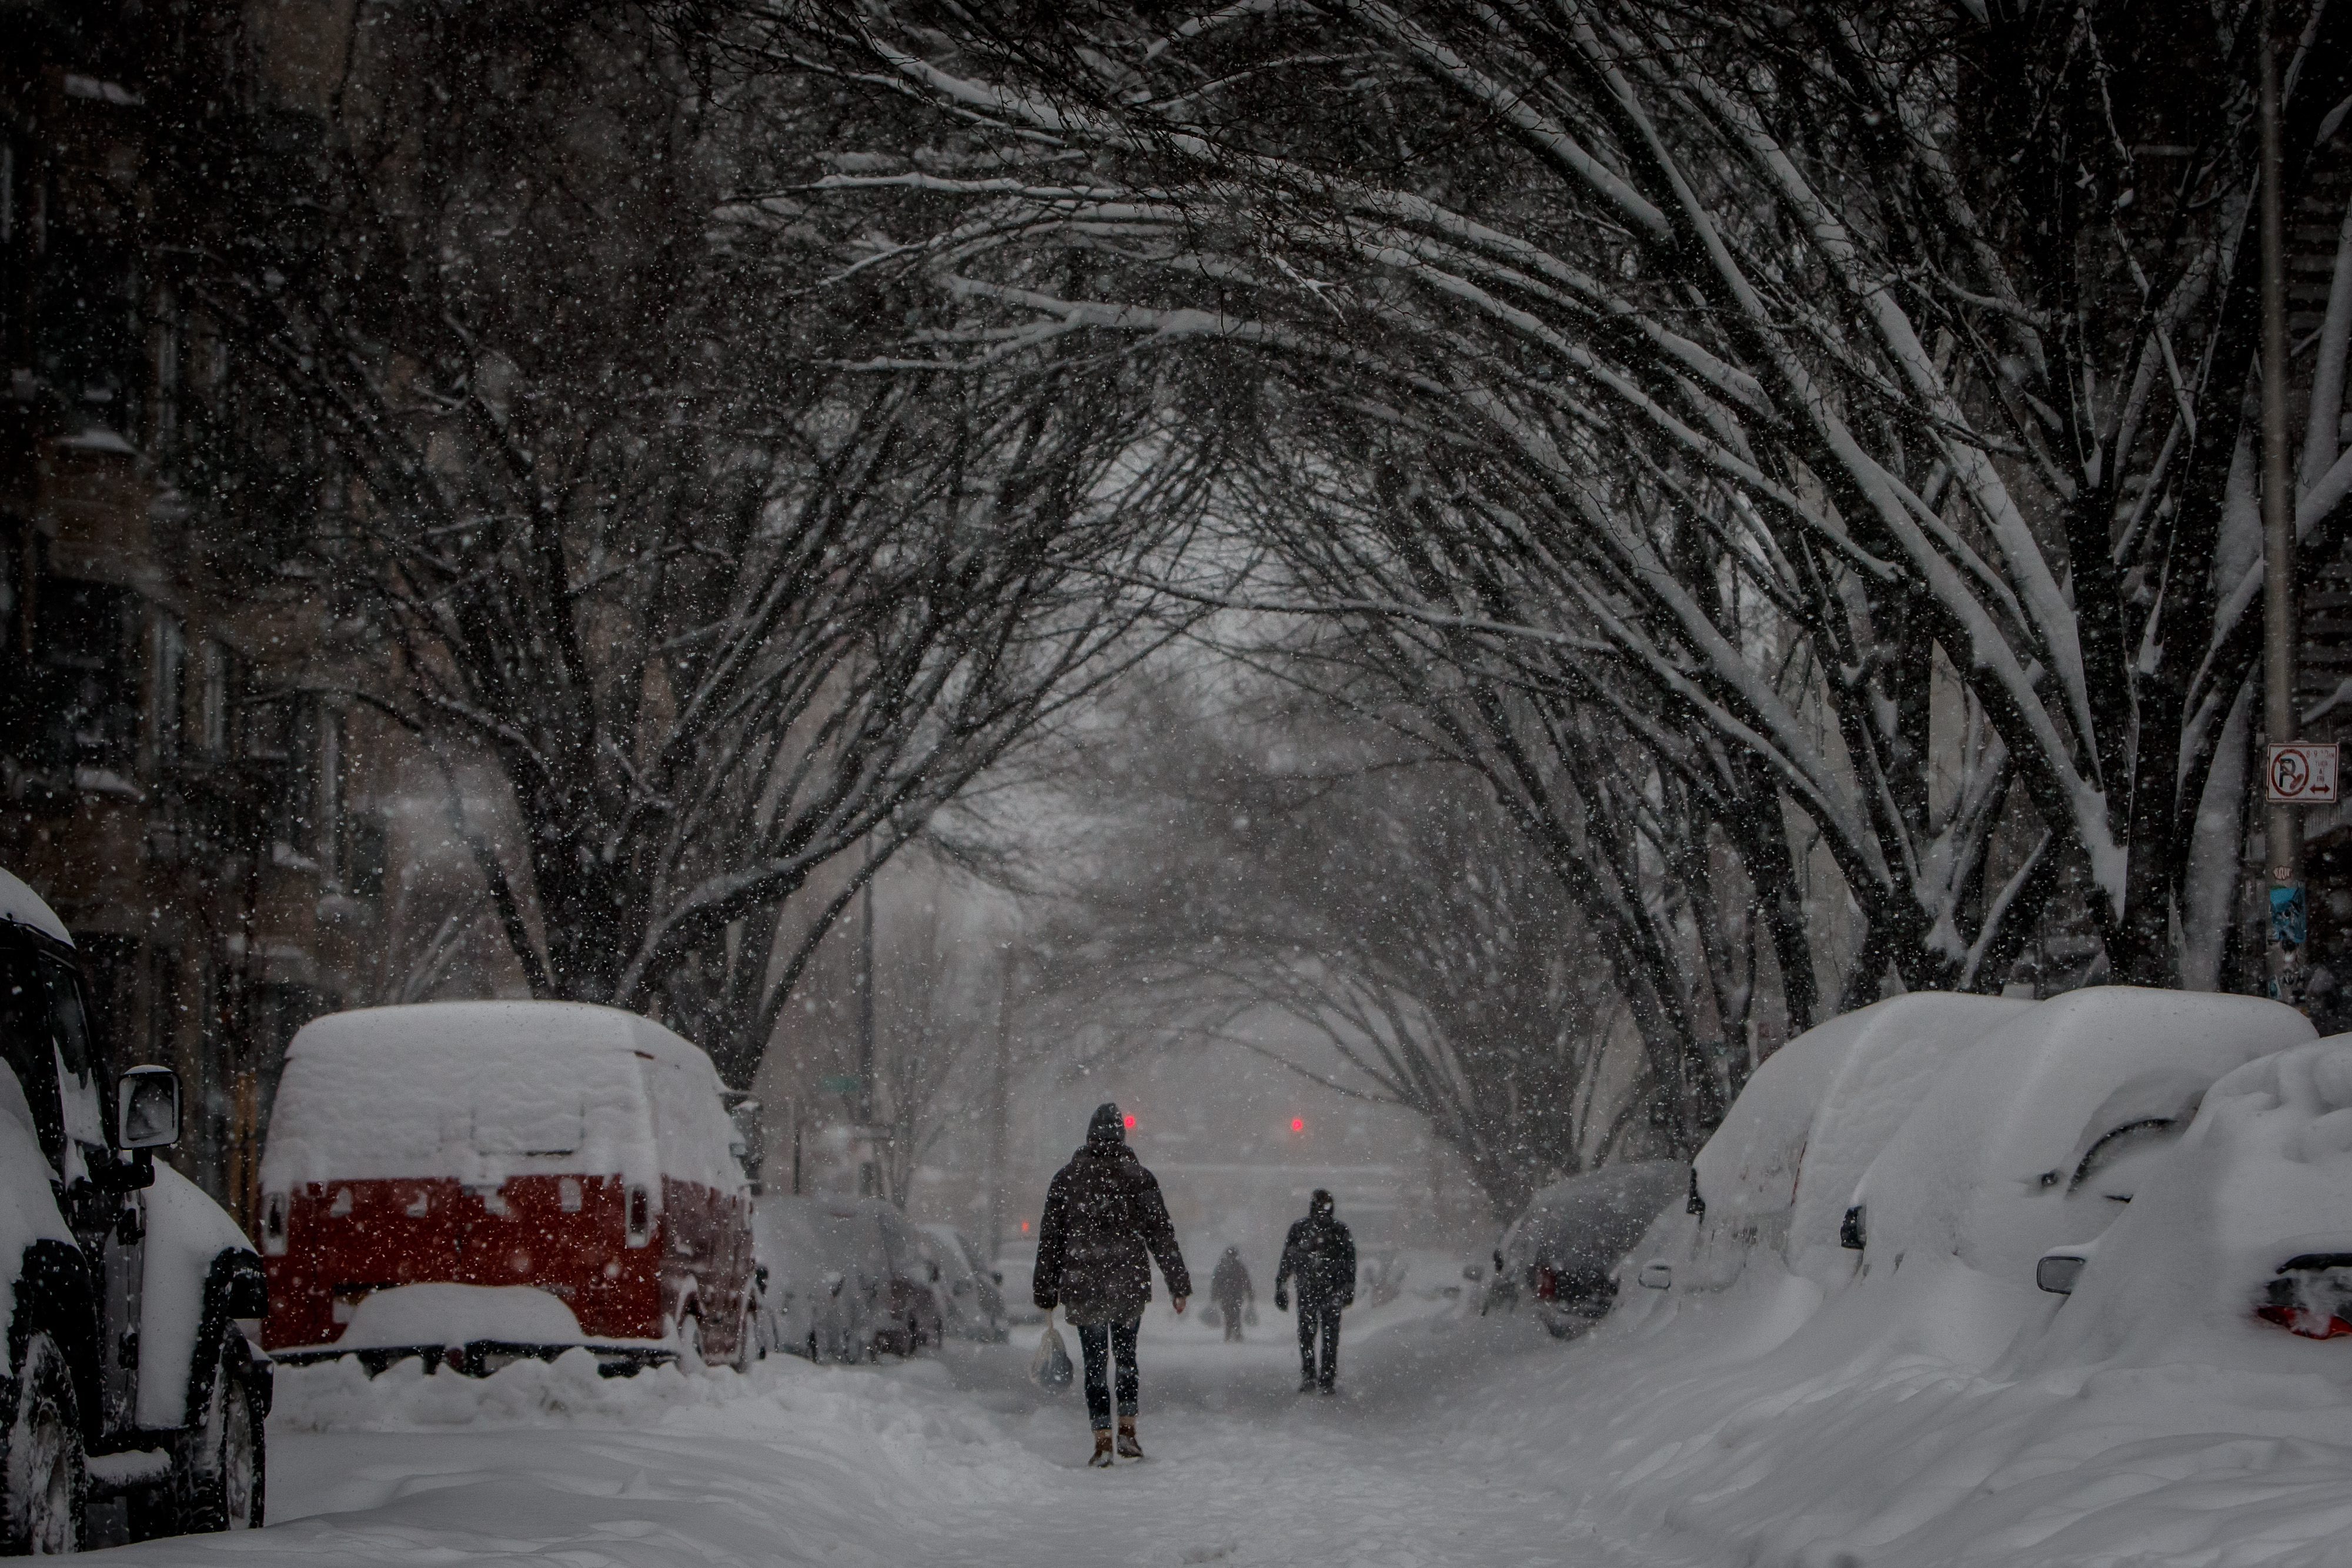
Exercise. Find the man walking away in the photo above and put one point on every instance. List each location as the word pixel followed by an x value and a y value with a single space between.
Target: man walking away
pixel 1322 1255
pixel 1105 1221
pixel 1229 1286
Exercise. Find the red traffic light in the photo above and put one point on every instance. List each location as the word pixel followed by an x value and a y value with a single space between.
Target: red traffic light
pixel 1298 1123
pixel 1130 1121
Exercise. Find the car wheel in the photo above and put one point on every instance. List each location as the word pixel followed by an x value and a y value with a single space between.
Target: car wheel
pixel 748 1348
pixel 224 1460
pixel 46 1479
pixel 690 1344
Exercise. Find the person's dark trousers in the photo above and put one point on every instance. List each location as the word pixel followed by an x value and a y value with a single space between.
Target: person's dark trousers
pixel 1232 1322
pixel 1098 1344
pixel 1319 1317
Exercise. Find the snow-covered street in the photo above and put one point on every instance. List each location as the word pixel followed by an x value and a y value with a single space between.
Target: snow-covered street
pixel 951 1460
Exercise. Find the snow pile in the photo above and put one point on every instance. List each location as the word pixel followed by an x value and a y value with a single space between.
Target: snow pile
pixel 476 1092
pixel 1929 1406
pixel 339 1395
pixel 448 1314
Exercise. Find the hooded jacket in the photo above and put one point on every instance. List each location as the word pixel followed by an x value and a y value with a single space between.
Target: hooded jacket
pixel 1322 1253
pixel 1105 1221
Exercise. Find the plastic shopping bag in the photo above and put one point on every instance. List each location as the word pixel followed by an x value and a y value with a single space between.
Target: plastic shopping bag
pixel 1249 1316
pixel 1051 1365
pixel 1211 1319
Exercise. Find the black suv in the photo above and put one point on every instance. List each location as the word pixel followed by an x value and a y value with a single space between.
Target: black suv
pixel 132 1401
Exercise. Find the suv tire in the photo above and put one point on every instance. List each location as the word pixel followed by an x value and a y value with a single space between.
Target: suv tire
pixel 222 1461
pixel 44 1479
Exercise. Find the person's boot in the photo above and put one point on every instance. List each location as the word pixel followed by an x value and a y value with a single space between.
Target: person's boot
pixel 1102 1460
pixel 1129 1449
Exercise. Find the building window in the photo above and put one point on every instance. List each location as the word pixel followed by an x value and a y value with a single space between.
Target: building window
pixel 85 695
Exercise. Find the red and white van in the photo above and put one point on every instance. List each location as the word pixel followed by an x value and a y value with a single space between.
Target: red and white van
pixel 478 1182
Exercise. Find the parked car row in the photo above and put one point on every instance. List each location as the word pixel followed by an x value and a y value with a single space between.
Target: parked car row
pixel 1945 1147
pixel 851 1279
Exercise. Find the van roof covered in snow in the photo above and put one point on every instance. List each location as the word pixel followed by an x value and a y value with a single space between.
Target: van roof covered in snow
pixel 23 906
pixel 478 1091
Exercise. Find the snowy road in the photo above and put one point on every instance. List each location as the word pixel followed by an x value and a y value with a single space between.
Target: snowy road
pixel 953 1461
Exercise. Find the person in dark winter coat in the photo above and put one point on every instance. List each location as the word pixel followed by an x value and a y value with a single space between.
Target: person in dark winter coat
pixel 1322 1255
pixel 1230 1288
pixel 1105 1221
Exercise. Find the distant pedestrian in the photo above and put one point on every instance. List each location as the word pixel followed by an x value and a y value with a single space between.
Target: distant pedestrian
pixel 1322 1254
pixel 1230 1288
pixel 1104 1222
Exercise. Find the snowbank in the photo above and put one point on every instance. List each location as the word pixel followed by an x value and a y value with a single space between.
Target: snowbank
pixel 448 1314
pixel 1929 1406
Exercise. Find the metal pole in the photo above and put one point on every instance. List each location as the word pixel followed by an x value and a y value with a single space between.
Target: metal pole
pixel 2282 833
pixel 869 1173
pixel 999 1106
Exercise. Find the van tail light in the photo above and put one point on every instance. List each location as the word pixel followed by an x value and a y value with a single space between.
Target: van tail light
pixel 273 1223
pixel 641 1215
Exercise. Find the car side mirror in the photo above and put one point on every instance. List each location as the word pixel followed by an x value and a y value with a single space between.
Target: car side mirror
pixel 1657 1274
pixel 2057 1273
pixel 147 1109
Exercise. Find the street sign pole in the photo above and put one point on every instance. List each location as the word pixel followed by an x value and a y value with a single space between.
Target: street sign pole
pixel 2282 831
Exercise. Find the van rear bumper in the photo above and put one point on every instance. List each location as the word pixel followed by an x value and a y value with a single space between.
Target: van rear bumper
pixel 479 1358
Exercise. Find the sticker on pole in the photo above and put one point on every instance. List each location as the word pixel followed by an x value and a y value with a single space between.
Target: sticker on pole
pixel 2301 773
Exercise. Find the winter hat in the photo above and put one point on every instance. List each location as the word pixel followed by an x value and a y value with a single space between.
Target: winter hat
pixel 1321 1203
pixel 1108 1126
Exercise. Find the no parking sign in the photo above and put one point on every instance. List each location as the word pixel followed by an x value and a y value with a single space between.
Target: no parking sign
pixel 2300 773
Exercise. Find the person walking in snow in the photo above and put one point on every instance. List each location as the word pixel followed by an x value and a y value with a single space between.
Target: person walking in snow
pixel 1105 1221
pixel 1230 1288
pixel 1322 1255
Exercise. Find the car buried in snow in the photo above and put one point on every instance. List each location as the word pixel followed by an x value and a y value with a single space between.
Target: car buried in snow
pixel 476 1182
pixel 971 1300
pixel 133 1401
pixel 1557 1259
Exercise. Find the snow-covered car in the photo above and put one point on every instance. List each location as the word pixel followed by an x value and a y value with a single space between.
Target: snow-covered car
pixel 134 1402
pixel 906 1312
pixel 971 1300
pixel 1558 1258
pixel 2042 1134
pixel 1015 1274
pixel 1776 1179
pixel 479 1182
pixel 2237 1247
pixel 819 1271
